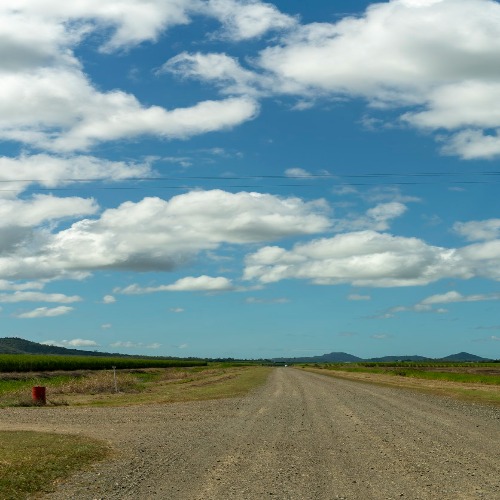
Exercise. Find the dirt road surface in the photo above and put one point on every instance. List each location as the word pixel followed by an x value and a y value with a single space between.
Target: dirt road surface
pixel 300 436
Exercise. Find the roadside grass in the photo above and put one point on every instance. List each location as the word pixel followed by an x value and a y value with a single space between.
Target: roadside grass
pixel 31 462
pixel 484 389
pixel 137 386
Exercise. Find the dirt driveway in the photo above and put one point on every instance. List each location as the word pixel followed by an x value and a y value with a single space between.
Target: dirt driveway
pixel 301 436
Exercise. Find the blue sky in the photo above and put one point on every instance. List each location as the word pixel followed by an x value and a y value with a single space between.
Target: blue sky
pixel 246 179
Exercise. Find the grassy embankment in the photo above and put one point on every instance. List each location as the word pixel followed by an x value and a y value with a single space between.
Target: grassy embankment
pixel 31 462
pixel 473 382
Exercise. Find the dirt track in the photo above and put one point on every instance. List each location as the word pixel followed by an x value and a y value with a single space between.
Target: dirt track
pixel 301 436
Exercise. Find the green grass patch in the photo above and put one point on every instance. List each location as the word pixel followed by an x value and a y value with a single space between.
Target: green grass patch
pixel 31 462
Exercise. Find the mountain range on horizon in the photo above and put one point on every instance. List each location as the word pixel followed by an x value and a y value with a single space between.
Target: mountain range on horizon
pixel 14 345
pixel 343 357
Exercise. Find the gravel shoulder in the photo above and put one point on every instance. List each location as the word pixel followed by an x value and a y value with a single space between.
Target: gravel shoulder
pixel 300 436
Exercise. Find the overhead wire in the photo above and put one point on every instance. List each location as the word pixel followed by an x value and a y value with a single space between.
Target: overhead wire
pixel 375 179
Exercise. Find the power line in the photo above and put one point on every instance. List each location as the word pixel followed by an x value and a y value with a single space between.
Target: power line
pixel 377 178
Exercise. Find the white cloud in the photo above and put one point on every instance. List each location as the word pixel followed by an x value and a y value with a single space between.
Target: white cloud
pixel 427 305
pixel 243 20
pixel 38 297
pixel 71 343
pixel 256 300
pixel 297 172
pixel 18 217
pixel 482 259
pixel 376 218
pixel 200 284
pixel 453 296
pixel 365 258
pixel 435 60
pixel 161 235
pixel 50 171
pixel 42 111
pixel 380 336
pixel 219 69
pixel 12 286
pixel 45 312
pixel 135 345
pixel 188 284
pixel 357 297
pixel 479 230
pixel 108 299
pixel 106 326
pixel 177 310
pixel 40 74
pixel 423 57
pixel 41 208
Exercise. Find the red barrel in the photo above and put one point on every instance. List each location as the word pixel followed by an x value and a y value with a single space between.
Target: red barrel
pixel 38 394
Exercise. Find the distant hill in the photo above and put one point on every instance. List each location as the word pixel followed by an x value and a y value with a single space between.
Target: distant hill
pixel 389 359
pixel 463 356
pixel 333 357
pixel 342 357
pixel 14 345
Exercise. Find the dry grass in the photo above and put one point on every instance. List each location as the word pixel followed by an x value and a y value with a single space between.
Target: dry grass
pixel 101 382
pixel 134 386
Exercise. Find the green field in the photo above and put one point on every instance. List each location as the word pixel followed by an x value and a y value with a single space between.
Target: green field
pixel 45 362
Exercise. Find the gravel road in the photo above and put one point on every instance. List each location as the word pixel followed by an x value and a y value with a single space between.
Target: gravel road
pixel 300 436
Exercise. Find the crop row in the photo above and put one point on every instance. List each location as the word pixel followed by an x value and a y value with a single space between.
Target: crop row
pixel 32 362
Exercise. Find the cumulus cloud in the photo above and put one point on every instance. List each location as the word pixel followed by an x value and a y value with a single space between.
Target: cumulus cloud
pixel 19 217
pixel 53 171
pixel 155 234
pixel 41 75
pixel 427 305
pixel 177 310
pixel 20 286
pixel 380 336
pixel 257 300
pixel 38 297
pixel 479 230
pixel 71 343
pixel 187 284
pixel 40 109
pixel 420 57
pixel 357 297
pixel 41 208
pixel 377 218
pixel 221 70
pixel 243 20
pixel 45 312
pixel 364 258
pixel 298 172
pixel 453 296
pixel 135 345
pixel 108 299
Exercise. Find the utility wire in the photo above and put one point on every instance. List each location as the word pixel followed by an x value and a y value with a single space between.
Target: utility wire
pixel 376 179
